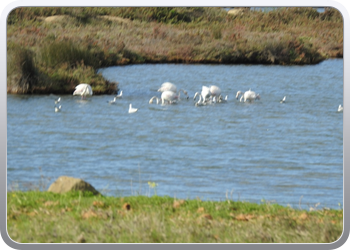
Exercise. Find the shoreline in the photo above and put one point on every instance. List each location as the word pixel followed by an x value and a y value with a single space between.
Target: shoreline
pixel 52 50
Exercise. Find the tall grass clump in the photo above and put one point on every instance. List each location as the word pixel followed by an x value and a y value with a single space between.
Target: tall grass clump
pixel 59 52
pixel 21 70
pixel 58 68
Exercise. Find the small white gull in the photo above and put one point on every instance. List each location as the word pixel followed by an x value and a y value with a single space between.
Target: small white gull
pixel 58 109
pixel 58 100
pixel 131 109
pixel 340 108
pixel 283 100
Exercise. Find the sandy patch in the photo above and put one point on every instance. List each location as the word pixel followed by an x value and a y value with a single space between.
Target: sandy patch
pixel 116 19
pixel 54 18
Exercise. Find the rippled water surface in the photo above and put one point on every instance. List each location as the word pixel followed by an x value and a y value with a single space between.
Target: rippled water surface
pixel 288 153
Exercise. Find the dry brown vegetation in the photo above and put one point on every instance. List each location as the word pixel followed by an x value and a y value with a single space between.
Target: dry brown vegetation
pixel 66 49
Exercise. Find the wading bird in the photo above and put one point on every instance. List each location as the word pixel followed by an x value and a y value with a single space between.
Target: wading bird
pixel 214 90
pixel 205 93
pixel 167 86
pixel 221 99
pixel 83 90
pixel 154 97
pixel 171 97
pixel 200 102
pixel 247 96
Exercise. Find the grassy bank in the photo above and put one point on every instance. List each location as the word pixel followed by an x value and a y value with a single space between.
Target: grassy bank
pixel 35 216
pixel 52 49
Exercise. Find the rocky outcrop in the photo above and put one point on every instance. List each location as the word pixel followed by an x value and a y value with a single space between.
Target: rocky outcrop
pixel 65 184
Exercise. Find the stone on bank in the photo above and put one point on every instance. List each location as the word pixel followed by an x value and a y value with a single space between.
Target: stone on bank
pixel 65 184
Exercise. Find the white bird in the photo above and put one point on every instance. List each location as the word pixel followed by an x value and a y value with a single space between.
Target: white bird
pixel 154 97
pixel 167 86
pixel 83 89
pixel 205 93
pixel 340 108
pixel 248 95
pixel 171 97
pixel 58 109
pixel 214 90
pixel 58 100
pixel 195 96
pixel 220 99
pixel 120 94
pixel 113 101
pixel 131 109
pixel 200 102
pixel 283 100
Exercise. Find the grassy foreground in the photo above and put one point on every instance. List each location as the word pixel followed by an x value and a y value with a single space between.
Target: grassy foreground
pixel 44 217
pixel 52 49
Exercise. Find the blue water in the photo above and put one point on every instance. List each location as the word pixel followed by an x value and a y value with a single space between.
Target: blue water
pixel 290 153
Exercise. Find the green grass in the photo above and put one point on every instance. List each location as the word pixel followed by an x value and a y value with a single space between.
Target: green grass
pixel 40 217
pixel 88 38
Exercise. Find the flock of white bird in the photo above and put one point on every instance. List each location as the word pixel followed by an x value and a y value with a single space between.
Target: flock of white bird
pixel 171 95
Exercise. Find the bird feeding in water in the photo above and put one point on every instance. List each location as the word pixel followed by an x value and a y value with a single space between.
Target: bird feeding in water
pixel 154 98
pixel 171 97
pixel 247 96
pixel 167 86
pixel 83 90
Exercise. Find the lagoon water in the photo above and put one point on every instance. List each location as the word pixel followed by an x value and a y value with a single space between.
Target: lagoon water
pixel 290 153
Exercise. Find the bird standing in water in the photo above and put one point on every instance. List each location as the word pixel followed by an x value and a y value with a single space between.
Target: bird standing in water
pixel 83 90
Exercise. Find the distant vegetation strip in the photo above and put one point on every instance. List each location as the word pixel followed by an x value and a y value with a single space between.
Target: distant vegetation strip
pixel 52 49
pixel 73 217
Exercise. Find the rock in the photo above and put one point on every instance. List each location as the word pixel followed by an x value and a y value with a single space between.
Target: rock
pixel 65 184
